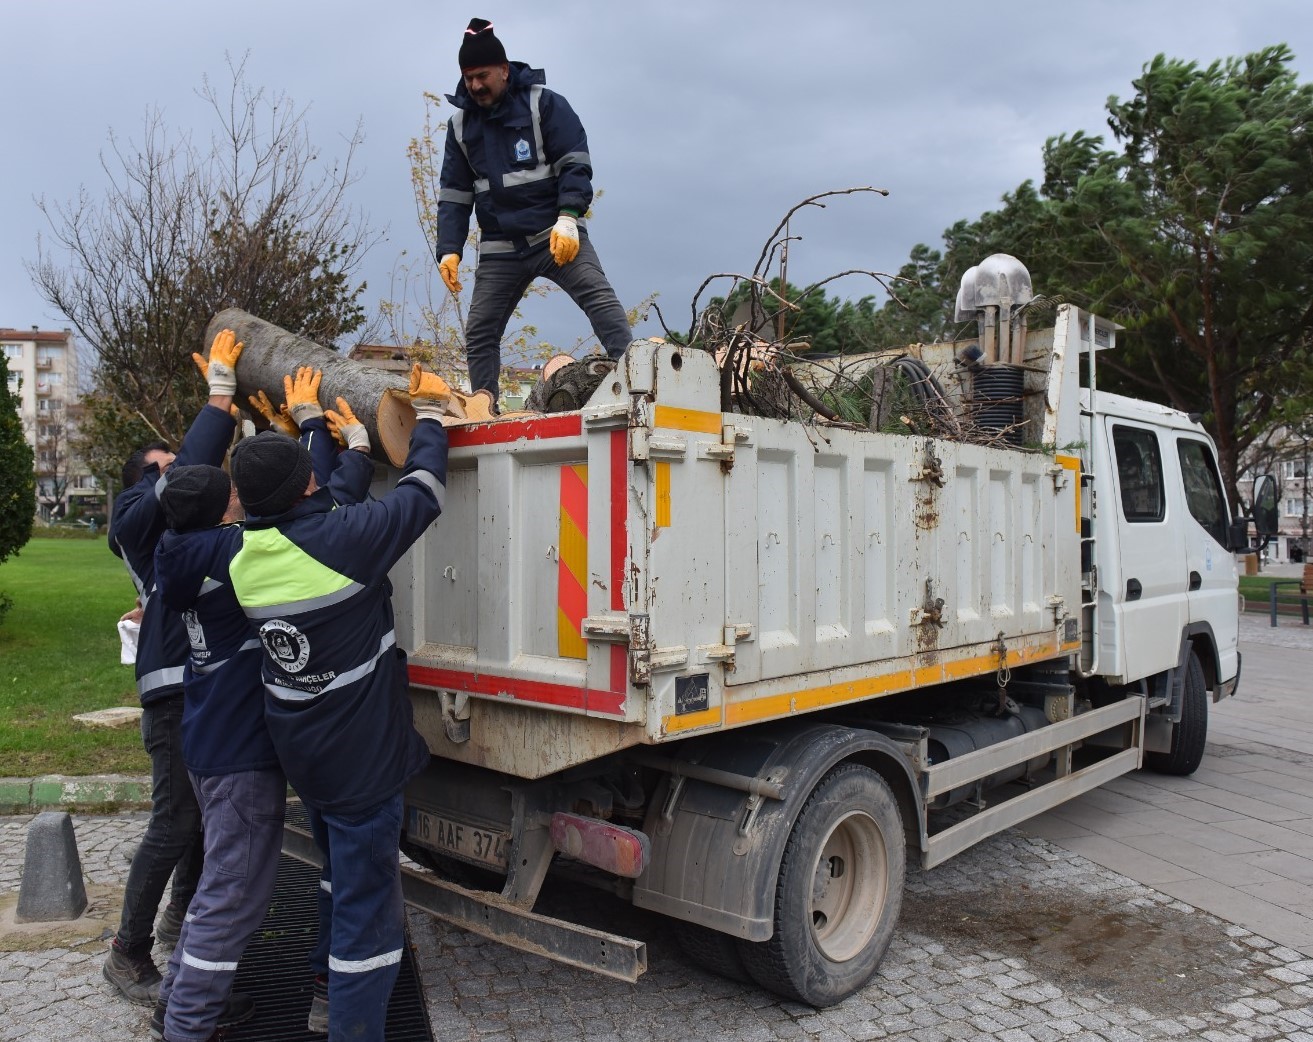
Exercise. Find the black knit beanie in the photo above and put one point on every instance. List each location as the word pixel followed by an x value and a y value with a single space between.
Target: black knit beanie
pixel 195 497
pixel 271 472
pixel 480 47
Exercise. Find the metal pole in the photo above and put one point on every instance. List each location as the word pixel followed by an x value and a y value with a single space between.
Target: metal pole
pixel 1303 521
pixel 1272 602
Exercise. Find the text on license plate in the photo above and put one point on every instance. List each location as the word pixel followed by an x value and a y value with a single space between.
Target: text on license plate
pixel 468 841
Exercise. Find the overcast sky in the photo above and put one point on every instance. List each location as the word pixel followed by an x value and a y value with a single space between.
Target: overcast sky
pixel 706 120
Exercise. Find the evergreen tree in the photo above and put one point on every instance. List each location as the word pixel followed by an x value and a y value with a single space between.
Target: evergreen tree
pixel 17 478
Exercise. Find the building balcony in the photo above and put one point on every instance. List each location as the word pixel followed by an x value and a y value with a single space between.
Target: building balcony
pixel 45 363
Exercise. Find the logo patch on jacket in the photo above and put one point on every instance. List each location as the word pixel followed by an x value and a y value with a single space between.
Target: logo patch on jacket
pixel 286 645
pixel 196 636
pixel 521 151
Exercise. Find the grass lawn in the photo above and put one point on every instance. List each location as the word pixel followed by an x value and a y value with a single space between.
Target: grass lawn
pixel 59 655
pixel 1253 588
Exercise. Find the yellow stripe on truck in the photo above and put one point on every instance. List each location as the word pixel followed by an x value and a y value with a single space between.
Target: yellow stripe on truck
pixel 695 420
pixel 769 707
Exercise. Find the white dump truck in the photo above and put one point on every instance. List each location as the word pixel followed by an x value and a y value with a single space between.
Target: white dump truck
pixel 736 669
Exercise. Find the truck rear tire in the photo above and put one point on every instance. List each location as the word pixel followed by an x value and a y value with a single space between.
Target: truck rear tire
pixel 712 950
pixel 1191 732
pixel 838 893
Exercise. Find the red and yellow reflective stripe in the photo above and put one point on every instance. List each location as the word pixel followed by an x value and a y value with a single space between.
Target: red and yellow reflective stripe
pixel 572 566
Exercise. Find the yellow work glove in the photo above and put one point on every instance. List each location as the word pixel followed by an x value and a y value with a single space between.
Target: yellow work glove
pixel 565 239
pixel 278 419
pixel 221 373
pixel 449 266
pixel 430 395
pixel 302 394
pixel 346 427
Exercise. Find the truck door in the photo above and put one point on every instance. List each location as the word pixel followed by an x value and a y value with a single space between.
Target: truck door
pixel 1147 591
pixel 1211 574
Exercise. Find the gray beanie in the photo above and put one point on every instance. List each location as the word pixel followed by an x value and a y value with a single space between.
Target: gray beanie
pixel 271 472
pixel 195 497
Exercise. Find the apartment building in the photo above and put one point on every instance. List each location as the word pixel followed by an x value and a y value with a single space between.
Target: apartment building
pixel 1287 454
pixel 43 374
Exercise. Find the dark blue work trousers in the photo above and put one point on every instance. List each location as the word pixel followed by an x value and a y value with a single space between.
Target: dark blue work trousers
pixel 366 931
pixel 499 284
pixel 243 816
pixel 173 843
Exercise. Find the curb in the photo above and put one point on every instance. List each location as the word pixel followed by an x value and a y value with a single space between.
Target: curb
pixel 95 793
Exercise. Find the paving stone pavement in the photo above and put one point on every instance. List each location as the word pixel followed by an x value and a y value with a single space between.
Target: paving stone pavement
pixel 1020 938
pixel 1017 939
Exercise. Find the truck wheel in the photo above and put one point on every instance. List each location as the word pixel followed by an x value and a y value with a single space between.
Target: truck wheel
pixel 712 950
pixel 1190 734
pixel 838 894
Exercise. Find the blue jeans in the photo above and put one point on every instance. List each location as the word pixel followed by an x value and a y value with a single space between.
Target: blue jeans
pixel 243 815
pixel 366 931
pixel 173 843
pixel 499 284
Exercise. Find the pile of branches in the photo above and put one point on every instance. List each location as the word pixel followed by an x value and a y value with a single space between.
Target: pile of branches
pixel 762 375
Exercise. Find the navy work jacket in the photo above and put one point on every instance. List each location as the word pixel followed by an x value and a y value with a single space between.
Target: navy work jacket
pixel 134 533
pixel 314 583
pixel 517 165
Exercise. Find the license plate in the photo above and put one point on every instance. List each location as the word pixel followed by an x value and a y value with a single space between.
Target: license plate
pixel 464 840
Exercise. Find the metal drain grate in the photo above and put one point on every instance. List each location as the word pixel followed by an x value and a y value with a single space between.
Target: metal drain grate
pixel 276 973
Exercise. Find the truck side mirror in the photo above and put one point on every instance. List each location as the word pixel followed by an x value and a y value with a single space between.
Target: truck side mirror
pixel 1265 506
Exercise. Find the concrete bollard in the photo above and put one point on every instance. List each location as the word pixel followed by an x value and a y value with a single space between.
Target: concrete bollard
pixel 52 886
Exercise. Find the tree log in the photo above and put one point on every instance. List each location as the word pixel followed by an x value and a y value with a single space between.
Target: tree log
pixel 378 398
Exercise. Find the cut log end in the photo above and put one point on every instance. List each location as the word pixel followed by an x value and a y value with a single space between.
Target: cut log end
pixel 396 419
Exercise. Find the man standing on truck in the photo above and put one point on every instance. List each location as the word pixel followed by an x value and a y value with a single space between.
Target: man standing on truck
pixel 172 844
pixel 517 155
pixel 313 580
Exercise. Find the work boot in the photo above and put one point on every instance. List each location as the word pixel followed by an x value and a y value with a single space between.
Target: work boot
pixel 238 1008
pixel 317 1022
pixel 169 927
pixel 134 975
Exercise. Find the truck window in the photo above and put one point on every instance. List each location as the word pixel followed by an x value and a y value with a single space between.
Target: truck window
pixel 1139 473
pixel 1203 489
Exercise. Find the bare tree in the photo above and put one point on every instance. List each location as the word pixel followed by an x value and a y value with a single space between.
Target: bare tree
pixel 250 218
pixel 54 460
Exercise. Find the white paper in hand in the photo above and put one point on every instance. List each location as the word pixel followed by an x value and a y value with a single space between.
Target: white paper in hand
pixel 128 631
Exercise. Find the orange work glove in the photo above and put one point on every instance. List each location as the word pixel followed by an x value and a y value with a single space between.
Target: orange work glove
pixel 302 394
pixel 431 395
pixel 346 428
pixel 278 419
pixel 565 239
pixel 449 268
pixel 221 372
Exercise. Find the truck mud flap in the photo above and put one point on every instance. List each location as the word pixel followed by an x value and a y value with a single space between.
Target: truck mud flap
pixel 609 954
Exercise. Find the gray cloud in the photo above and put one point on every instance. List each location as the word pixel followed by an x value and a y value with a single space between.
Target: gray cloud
pixel 706 121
